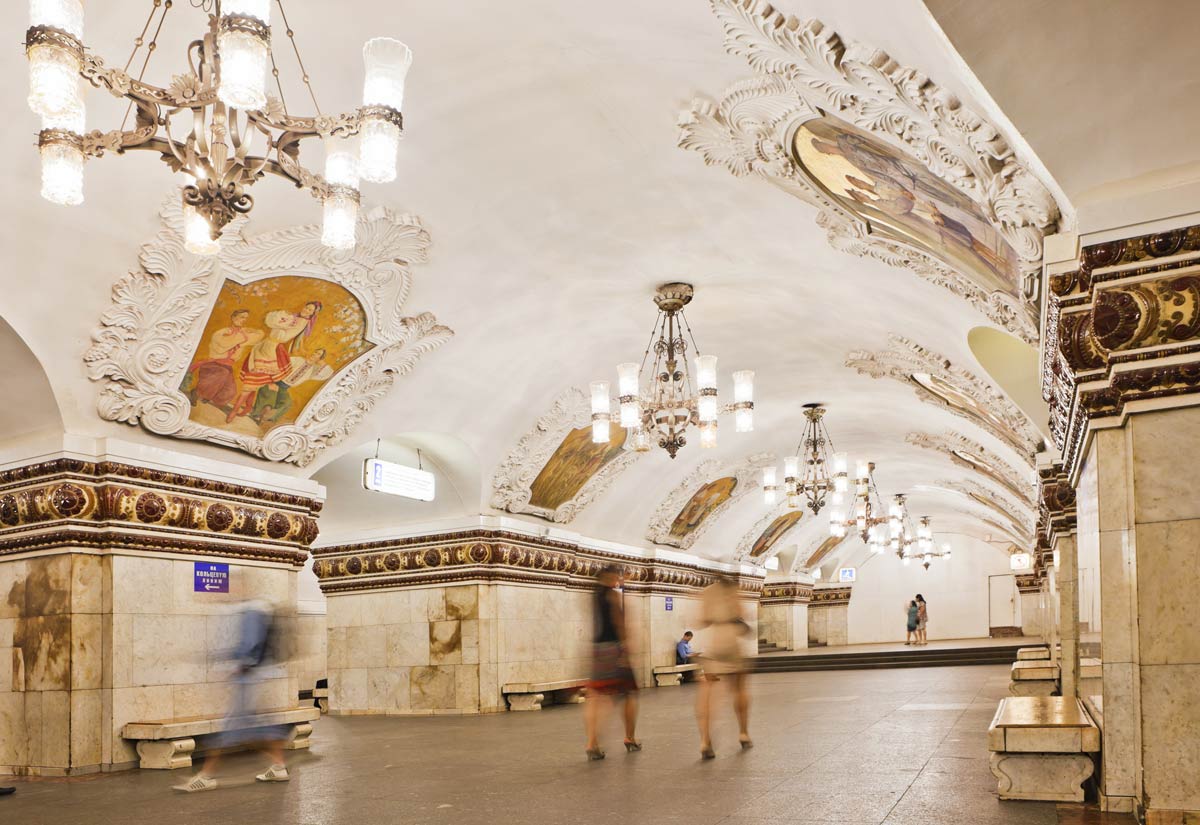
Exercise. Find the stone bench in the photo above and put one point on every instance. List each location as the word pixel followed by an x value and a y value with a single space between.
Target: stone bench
pixel 669 676
pixel 1041 748
pixel 1034 678
pixel 1032 653
pixel 530 695
pixel 321 695
pixel 167 745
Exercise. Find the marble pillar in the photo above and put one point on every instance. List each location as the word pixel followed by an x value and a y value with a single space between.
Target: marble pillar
pixel 829 616
pixel 100 620
pixel 1121 356
pixel 783 612
pixel 1068 614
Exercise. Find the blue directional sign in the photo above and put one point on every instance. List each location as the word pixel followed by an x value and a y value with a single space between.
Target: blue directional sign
pixel 670 603
pixel 210 577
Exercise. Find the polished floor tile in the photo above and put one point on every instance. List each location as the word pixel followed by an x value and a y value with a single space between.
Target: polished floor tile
pixel 861 747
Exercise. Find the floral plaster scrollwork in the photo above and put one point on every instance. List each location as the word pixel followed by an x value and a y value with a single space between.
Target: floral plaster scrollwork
pixel 939 382
pixel 514 478
pixel 974 456
pixel 746 474
pixel 144 343
pixel 1016 519
pixel 805 70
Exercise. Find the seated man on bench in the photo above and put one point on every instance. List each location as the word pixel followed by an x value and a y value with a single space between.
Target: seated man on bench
pixel 683 649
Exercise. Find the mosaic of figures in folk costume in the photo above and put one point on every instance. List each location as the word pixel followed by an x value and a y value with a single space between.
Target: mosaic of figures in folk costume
pixel 267 349
pixel 701 505
pixel 775 532
pixel 573 464
pixel 900 198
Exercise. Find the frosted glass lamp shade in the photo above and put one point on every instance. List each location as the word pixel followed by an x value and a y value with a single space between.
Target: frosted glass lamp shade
pixel 340 221
pixel 260 9
pixel 708 435
pixel 62 173
pixel 743 386
pixel 64 15
pixel 386 62
pixel 768 476
pixel 706 408
pixel 197 235
pixel 791 466
pixel 743 420
pixel 706 372
pixel 341 164
pixel 379 142
pixel 861 470
pixel 627 378
pixel 243 73
pixel 53 81
pixel 770 497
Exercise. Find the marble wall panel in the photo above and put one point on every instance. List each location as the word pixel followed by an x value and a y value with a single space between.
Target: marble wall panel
pixel 1168 582
pixel 1170 736
pixel 1162 444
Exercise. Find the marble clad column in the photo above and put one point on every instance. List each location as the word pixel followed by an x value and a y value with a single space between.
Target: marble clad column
pixel 100 624
pixel 1068 615
pixel 783 612
pixel 438 624
pixel 1122 376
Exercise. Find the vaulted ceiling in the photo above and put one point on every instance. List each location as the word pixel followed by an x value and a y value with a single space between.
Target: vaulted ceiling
pixel 542 156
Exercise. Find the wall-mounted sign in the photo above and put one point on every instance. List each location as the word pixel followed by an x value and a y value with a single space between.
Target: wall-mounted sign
pixel 210 577
pixel 670 603
pixel 847 574
pixel 398 480
pixel 1019 561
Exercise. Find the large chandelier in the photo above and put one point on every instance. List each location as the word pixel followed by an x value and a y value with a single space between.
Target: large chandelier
pixel 921 545
pixel 663 405
pixel 822 475
pixel 867 516
pixel 216 123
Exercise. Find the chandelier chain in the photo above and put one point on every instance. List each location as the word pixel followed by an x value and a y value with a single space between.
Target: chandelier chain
pixel 296 49
pixel 151 47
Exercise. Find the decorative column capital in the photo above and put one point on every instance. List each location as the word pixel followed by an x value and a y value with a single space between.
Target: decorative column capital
pixel 786 593
pixel 1056 499
pixel 1122 326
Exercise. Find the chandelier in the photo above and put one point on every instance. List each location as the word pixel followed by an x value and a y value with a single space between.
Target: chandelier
pixel 662 405
pixel 867 516
pixel 920 546
pixel 216 123
pixel 822 474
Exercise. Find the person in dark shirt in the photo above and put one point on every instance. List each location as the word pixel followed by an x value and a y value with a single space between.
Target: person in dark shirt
pixel 611 671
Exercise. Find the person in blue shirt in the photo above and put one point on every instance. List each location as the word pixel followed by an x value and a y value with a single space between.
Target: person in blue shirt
pixel 683 650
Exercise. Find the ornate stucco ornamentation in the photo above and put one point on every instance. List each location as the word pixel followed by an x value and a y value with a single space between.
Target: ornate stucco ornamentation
pixel 746 474
pixel 939 382
pixel 1016 519
pixel 144 344
pixel 974 456
pixel 786 593
pixel 806 71
pixel 513 481
pixel 830 596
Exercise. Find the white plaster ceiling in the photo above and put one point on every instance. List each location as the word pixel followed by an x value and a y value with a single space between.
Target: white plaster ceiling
pixel 541 155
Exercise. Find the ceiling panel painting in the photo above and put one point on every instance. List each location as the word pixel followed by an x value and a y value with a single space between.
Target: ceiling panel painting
pixel 701 505
pixel 573 464
pixel 774 532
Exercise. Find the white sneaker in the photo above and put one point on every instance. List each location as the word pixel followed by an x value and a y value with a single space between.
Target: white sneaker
pixel 199 782
pixel 275 773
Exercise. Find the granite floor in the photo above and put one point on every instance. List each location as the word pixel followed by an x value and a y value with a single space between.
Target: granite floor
pixel 896 747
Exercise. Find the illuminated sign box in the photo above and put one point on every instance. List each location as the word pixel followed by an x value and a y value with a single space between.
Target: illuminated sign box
pixel 1019 561
pixel 847 574
pixel 398 480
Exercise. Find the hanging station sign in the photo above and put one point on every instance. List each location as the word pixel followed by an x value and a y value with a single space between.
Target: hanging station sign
pixel 398 480
pixel 1019 561
pixel 846 575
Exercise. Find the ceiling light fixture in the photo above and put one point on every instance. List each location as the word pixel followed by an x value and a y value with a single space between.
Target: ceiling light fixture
pixel 867 516
pixel 216 123
pixel 664 405
pixel 823 473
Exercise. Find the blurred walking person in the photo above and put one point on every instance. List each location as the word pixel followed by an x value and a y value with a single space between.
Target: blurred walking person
pixel 261 643
pixel 612 674
pixel 721 612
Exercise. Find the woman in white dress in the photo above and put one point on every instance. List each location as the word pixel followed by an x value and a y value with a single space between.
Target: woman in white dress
pixel 721 614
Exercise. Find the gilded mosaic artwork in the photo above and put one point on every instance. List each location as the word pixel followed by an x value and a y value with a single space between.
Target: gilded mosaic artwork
pixel 575 461
pixel 701 505
pixel 902 199
pixel 774 533
pixel 267 349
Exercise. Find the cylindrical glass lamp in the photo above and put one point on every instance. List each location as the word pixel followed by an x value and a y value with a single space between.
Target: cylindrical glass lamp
pixel 601 412
pixel 54 47
pixel 769 488
pixel 386 62
pixel 743 401
pixel 244 49
pixel 627 391
pixel 708 435
pixel 60 144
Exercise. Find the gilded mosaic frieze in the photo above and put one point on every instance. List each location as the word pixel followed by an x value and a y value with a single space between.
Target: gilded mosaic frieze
pixel 786 593
pixel 485 555
pixel 830 596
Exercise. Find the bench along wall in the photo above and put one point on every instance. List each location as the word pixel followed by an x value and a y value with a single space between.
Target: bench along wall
pixel 99 621
pixel 440 623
